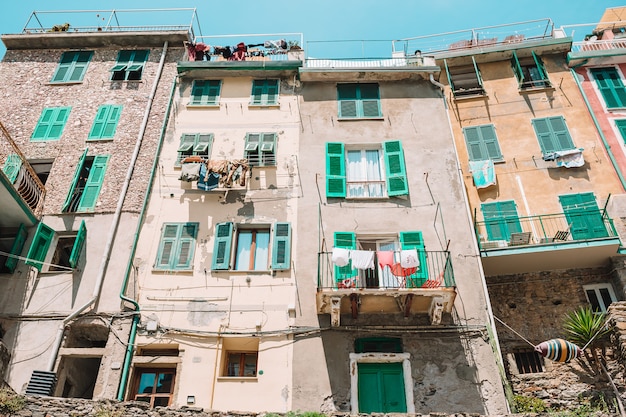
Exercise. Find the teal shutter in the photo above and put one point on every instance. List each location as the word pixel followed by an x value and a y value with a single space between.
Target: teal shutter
pixel 205 92
pixel 552 134
pixel 67 59
pixel 72 66
pixel 370 100
pixel 583 216
pixel 51 123
pixel 501 219
pixel 450 83
pixel 414 240
pixel 167 246
pixel 621 126
pixel 482 143
pixel 79 243
pixel 80 66
pixel 272 92
pixel 94 183
pixel 346 240
pixel 490 140
pixel 79 168
pixel 347 98
pixel 222 246
pixel 264 92
pixel 41 130
pixel 111 122
pixel 335 170
pixel 99 122
pixel 16 248
pixel 281 248
pixel 105 122
pixel 611 87
pixel 39 246
pixel 381 388
pixel 540 68
pixel 12 166
pixel 58 123
pixel 397 183
pixel 186 243
pixel 517 69
pixel 257 92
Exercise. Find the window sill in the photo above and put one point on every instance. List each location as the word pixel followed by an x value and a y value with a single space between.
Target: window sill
pixel 64 82
pixel 347 119
pixel 44 140
pixel 262 106
pixel 203 106
pixel 99 139
pixel 535 89
pixel 242 272
pixel 172 271
pixel 237 379
pixel 470 96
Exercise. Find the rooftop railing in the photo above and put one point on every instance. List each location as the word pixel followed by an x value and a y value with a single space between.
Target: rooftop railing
pixel 252 47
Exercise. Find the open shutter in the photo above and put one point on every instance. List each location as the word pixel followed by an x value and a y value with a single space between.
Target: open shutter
pixel 370 100
pixel 222 246
pixel 79 243
pixel 517 69
pixel 347 99
pixel 94 183
pixel 544 135
pixel 397 183
pixel 415 240
pixel 450 83
pixel 167 246
pixel 16 248
pixel 186 245
pixel 281 248
pixel 335 170
pixel 99 122
pixel 39 246
pixel 79 168
pixel 346 240
pixel 540 68
pixel 12 166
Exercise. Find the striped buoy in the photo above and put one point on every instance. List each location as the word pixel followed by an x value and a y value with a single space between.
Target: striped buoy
pixel 558 350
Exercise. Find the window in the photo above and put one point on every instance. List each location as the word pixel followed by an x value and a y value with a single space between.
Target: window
pixel 11 244
pixel 482 143
pixel 621 126
pixel 178 241
pixel 600 296
pixel 67 250
pixel 530 71
pixel 264 93
pixel 194 144
pixel 72 67
pixel 86 185
pixel 42 168
pixel 378 344
pixel 51 123
pixel 252 246
pixel 528 362
pixel 465 80
pixel 261 149
pixel 129 65
pixel 552 134
pixel 501 219
pixel 611 87
pixel 583 216
pixel 371 172
pixel 358 101
pixel 154 386
pixel 205 93
pixel 105 122
pixel 241 364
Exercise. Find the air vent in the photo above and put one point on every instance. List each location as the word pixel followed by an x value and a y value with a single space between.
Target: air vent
pixel 41 383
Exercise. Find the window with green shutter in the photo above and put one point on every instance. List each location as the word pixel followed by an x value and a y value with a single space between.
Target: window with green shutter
pixel 501 219
pixel 51 123
pixel 86 185
pixel 611 86
pixel 464 80
pixel 222 246
pixel 176 247
pixel 552 134
pixel 530 71
pixel 415 240
pixel 79 243
pixel 260 149
pixel 129 65
pixel 205 93
pixel 335 170
pixel 583 216
pixel 621 126
pixel 482 143
pixel 72 67
pixel 281 247
pixel 15 249
pixel 395 170
pixel 39 246
pixel 358 101
pixel 105 122
pixel 194 144
pixel 345 240
pixel 264 93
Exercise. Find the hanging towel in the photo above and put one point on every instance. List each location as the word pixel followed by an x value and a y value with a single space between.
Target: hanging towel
pixel 409 259
pixel 190 172
pixel 483 172
pixel 362 259
pixel 572 158
pixel 207 181
pixel 385 257
pixel 341 256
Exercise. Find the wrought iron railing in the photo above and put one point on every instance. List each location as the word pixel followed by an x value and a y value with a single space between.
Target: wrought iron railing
pixel 434 271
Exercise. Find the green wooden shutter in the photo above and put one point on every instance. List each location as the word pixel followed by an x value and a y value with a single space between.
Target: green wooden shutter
pixel 80 66
pixel 212 92
pixel 414 240
pixel 51 123
pixel 12 166
pixel 347 97
pixel 621 126
pixel 16 248
pixel 111 122
pixel 450 83
pixel 167 246
pixel 41 130
pixel 105 122
pixel 79 243
pixel 67 59
pixel 381 388
pixel 346 240
pixel 544 135
pixel 501 219
pixel 93 184
pixel 79 168
pixel 222 246
pixel 58 122
pixel 257 91
pixel 99 122
pixel 611 87
pixel 583 216
pixel 39 246
pixel 561 134
pixel 490 140
pixel 517 69
pixel 271 96
pixel 370 100
pixel 397 183
pixel 540 68
pixel 473 140
pixel 281 248
pixel 335 170
pixel 186 241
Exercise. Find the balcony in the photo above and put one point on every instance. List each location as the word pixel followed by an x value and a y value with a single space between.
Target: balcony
pixel 430 288
pixel 511 245
pixel 21 191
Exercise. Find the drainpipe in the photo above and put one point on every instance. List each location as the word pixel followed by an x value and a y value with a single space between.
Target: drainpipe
pixel 597 125
pixel 136 316
pixel 437 83
pixel 115 223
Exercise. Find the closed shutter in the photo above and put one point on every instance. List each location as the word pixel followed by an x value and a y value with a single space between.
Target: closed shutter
pixel 58 122
pixel 167 246
pixel 12 166
pixel 79 168
pixel 213 92
pixel 281 248
pixel 346 240
pixel 415 240
pixel 111 122
pixel 397 183
pixel 186 245
pixel 561 133
pixel 67 59
pixel 99 122
pixel 16 248
pixel 583 216
pixel 335 170
pixel 257 92
pixel 272 92
pixel 370 100
pixel 501 219
pixel 94 183
pixel 39 246
pixel 474 144
pixel 621 126
pixel 80 66
pixel 552 134
pixel 611 87
pixel 79 243
pixel 41 130
pixel 347 99
pixel 490 140
pixel 222 246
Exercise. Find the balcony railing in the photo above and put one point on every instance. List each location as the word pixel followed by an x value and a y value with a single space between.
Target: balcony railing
pixel 19 172
pixel 513 232
pixel 435 270
pixel 599 46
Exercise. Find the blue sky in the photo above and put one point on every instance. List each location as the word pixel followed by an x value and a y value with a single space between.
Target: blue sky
pixel 331 19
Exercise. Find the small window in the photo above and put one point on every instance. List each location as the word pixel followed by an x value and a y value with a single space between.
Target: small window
pixel 600 296
pixel 252 249
pixel 264 93
pixel 153 386
pixel 359 101
pixel 465 80
pixel 105 122
pixel 72 67
pixel 528 362
pixel 205 93
pixel 241 364
pixel 260 149
pixel 553 135
pixel 129 66
pixel 378 344
pixel 194 144
pixel 177 245
pixel 611 87
pixel 86 185
pixel 482 143
pixel 51 123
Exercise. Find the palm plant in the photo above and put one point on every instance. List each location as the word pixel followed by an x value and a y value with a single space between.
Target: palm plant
pixel 584 327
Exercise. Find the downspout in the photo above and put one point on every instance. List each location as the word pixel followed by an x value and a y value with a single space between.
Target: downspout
pixel 597 125
pixel 115 223
pixel 438 84
pixel 136 316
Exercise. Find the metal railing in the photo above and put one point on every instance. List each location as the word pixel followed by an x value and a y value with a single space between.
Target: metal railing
pixel 257 47
pixel 435 270
pixel 599 46
pixel 20 173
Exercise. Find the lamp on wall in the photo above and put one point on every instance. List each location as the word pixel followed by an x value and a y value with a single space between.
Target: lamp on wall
pixel 191 399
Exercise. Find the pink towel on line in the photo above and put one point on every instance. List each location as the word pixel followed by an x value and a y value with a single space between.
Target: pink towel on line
pixel 385 257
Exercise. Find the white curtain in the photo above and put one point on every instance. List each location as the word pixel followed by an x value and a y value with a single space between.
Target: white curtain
pixel 363 168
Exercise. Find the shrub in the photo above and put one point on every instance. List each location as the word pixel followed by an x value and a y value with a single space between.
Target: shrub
pixel 10 402
pixel 523 404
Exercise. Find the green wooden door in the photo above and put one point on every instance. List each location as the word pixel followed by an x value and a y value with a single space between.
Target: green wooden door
pixel 583 216
pixel 381 388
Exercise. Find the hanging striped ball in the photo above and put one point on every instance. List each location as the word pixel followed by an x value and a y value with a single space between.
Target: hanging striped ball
pixel 558 350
